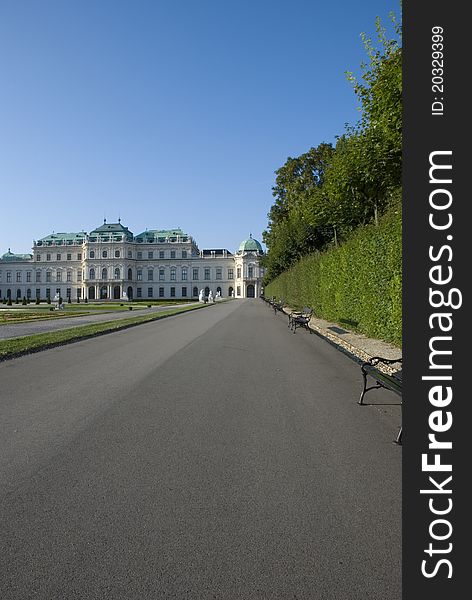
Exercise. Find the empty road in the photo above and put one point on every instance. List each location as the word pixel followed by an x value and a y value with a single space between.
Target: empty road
pixel 211 455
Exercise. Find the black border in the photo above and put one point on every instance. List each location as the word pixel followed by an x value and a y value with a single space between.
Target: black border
pixel 423 134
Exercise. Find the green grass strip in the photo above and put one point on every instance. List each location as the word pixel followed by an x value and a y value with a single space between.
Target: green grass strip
pixel 34 343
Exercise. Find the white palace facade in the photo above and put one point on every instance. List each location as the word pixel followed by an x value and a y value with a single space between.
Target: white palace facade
pixel 111 263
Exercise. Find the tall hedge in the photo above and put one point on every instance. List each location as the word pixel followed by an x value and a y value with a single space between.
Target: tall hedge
pixel 358 284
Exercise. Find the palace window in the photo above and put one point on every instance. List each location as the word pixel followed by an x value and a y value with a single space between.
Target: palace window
pixel 195 292
pixel 238 273
pixel 161 253
pixel 79 275
pixel 92 254
pixel 230 273
pixel 161 292
pixel 149 292
pixel 69 276
pixel 48 257
pixel 139 292
pixel 104 274
pixel 8 276
pixel 207 273
pixel 38 276
pixel 172 253
pixel 59 276
pixel 48 276
pixel 117 273
pixel 69 256
pixel 117 254
pixel 58 257
pixel 172 274
pixel 219 272
pixel 139 275
pixel 184 253
pixel 140 255
pixel 162 275
pixel 150 274
pixel 38 256
pixel 184 274
pixel 184 292
pixel 79 256
pixel 250 272
pixel 195 275
pixel 104 254
pixel 18 277
pixel 92 274
pixel 172 292
pixel 150 255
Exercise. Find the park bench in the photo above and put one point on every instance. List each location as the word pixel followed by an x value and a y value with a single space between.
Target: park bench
pixel 300 319
pixel 278 306
pixel 391 381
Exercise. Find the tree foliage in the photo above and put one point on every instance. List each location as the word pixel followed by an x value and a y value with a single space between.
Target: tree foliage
pixel 327 192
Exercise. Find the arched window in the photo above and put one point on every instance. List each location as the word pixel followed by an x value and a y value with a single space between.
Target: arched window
pixel 250 271
pixel 92 273
pixel 130 274
pixel 117 254
pixel 195 291
pixel 104 274
pixel 104 254
pixel 92 254
pixel 117 273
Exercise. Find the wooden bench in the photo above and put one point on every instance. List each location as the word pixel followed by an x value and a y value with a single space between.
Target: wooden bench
pixel 300 319
pixel 390 381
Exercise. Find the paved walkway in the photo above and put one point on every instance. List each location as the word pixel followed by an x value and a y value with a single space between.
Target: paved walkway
pixel 208 456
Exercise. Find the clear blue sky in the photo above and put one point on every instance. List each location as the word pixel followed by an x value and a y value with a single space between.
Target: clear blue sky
pixel 168 114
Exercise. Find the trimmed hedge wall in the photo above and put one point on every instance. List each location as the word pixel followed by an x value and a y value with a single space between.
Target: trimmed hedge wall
pixel 358 284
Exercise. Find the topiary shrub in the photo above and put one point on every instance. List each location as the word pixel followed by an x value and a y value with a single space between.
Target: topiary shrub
pixel 9 302
pixel 38 300
pixel 23 302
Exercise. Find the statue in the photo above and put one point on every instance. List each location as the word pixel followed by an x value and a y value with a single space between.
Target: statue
pixel 210 297
pixel 201 296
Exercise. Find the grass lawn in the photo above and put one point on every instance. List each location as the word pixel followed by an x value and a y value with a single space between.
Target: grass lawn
pixel 35 312
pixel 33 343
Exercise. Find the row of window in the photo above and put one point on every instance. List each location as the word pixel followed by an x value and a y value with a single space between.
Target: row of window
pixel 139 274
pixel 104 292
pixel 117 254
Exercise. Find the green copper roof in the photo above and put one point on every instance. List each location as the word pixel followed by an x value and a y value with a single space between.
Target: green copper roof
pixel 111 228
pixel 11 257
pixel 161 233
pixel 64 237
pixel 250 245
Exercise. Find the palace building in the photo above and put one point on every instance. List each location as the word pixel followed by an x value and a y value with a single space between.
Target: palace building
pixel 112 263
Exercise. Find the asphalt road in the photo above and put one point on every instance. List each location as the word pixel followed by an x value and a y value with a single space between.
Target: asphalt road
pixel 211 455
pixel 13 330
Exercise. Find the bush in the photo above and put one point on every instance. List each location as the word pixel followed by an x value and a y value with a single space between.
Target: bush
pixel 358 284
pixel 23 302
pixel 78 300
pixel 86 300
pixel 48 299
pixel 9 302
pixel 38 300
pixel 69 300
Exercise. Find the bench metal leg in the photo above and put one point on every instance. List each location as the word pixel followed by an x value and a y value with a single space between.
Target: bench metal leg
pixel 366 389
pixel 399 437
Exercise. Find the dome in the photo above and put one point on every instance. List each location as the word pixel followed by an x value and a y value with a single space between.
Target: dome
pixel 250 245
